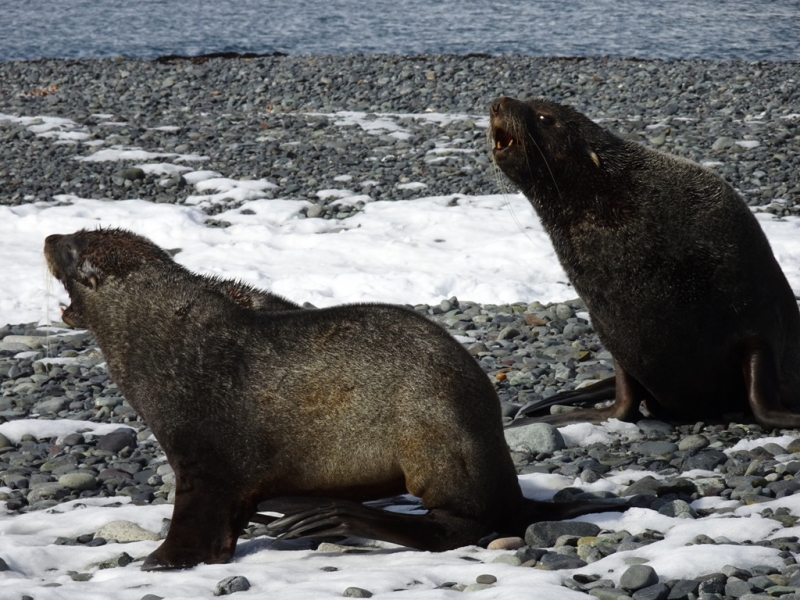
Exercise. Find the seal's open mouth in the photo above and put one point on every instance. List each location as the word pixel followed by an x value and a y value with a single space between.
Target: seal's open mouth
pixel 502 139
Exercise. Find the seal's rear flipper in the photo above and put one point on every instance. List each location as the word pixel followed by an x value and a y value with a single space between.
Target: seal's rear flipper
pixel 437 530
pixel 623 388
pixel 763 387
pixel 539 510
pixel 586 396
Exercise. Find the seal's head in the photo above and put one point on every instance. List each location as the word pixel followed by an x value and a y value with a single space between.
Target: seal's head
pixel 540 144
pixel 564 162
pixel 85 261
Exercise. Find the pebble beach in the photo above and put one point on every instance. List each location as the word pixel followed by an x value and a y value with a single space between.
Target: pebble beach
pixel 399 129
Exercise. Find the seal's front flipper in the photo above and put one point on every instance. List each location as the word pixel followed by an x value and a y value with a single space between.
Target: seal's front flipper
pixel 436 531
pixel 205 526
pixel 763 387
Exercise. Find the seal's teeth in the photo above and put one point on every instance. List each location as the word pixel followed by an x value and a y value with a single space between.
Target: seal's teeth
pixel 510 143
pixel 499 145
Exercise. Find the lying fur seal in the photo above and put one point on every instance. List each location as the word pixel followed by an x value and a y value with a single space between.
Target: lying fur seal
pixel 678 277
pixel 252 399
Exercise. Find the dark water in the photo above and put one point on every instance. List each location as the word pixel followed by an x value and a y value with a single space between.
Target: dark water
pixel 712 29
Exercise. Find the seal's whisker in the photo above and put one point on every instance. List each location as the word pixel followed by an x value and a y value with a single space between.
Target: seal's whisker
pixel 502 184
pixel 546 164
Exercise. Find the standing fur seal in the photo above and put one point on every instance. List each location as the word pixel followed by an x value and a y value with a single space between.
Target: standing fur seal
pixel 251 401
pixel 678 277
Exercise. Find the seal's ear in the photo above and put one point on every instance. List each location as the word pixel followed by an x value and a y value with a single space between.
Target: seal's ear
pixel 89 275
pixel 593 155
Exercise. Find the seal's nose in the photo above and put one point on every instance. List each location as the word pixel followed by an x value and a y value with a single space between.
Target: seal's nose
pixel 497 103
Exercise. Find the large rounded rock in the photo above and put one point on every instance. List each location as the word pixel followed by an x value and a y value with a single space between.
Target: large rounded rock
pixel 46 491
pixel 125 531
pixel 78 481
pixel 638 577
pixel 535 438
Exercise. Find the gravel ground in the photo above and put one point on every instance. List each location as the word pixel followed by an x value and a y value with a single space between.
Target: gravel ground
pixel 273 118
pixel 266 117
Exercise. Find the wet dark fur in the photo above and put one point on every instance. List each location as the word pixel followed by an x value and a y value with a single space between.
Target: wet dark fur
pixel 249 403
pixel 678 277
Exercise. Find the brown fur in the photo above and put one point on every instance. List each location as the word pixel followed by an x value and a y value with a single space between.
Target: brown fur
pixel 679 278
pixel 355 402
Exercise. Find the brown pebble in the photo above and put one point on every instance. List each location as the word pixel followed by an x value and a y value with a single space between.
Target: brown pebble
pixel 536 321
pixel 529 563
pixel 506 543
pixel 486 579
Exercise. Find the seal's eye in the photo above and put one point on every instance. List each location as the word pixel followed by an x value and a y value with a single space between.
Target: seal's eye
pixel 546 120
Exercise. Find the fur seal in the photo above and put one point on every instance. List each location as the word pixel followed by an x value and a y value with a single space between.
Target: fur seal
pixel 678 276
pixel 253 400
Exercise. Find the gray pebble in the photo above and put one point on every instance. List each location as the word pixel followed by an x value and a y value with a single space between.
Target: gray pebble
pixel 659 591
pixel 693 442
pixel 553 561
pixel 231 585
pixel 678 509
pixel 638 577
pixel 356 592
pixel 545 533
pixel 610 594
pixel 120 560
pixel 124 437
